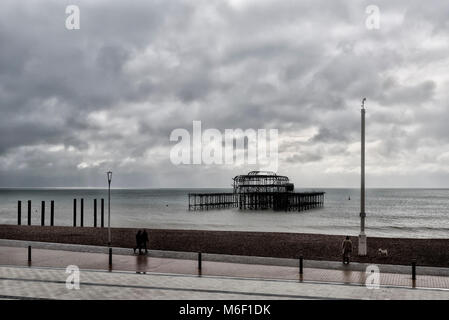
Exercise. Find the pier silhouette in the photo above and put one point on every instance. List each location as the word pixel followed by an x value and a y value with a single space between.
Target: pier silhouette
pixel 259 190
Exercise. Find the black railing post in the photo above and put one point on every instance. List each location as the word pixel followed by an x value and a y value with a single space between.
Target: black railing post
pixel 110 257
pixel 29 253
pixel 43 213
pixel 74 212
pixel 29 212
pixel 52 213
pixel 199 261
pixel 95 213
pixel 19 212
pixel 301 259
pixel 414 270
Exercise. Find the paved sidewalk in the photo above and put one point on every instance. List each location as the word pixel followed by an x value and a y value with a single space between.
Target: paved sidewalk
pixel 17 256
pixel 50 283
pixel 316 264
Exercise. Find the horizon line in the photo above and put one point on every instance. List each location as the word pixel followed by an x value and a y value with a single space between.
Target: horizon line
pixel 148 188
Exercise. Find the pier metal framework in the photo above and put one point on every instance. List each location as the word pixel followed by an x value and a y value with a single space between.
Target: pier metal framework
pixel 259 190
pixel 262 181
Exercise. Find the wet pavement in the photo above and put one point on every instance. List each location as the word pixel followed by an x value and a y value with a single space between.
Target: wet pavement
pixel 50 283
pixel 97 263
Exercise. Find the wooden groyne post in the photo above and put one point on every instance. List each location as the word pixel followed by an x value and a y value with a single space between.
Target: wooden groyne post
pixel 74 212
pixel 102 213
pixel 29 212
pixel 43 213
pixel 52 213
pixel 19 213
pixel 82 213
pixel 95 213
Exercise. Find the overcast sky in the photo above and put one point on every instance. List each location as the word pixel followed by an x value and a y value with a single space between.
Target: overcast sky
pixel 76 103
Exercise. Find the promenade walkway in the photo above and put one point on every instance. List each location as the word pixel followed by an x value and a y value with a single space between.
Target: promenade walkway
pixel 50 283
pixel 174 278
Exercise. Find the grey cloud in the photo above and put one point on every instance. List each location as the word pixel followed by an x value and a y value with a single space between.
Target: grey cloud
pixel 137 70
pixel 304 158
pixel 326 135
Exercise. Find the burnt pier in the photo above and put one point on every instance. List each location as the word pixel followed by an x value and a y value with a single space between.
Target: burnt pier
pixel 206 201
pixel 259 190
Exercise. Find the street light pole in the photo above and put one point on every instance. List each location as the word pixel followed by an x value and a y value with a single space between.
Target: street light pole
pixel 109 173
pixel 362 236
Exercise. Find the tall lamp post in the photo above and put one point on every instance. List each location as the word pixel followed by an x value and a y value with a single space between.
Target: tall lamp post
pixel 362 236
pixel 109 174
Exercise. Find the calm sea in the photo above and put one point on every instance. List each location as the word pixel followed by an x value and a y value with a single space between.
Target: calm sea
pixel 420 213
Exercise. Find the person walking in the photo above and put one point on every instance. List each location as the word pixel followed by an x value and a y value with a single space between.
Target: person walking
pixel 138 242
pixel 346 248
pixel 145 240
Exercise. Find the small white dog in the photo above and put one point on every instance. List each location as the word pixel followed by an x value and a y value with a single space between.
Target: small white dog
pixel 382 252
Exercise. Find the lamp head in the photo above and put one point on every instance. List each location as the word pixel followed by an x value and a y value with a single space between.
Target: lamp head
pixel 109 173
pixel 363 103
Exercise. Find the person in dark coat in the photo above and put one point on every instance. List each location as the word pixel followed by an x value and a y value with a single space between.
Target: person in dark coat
pixel 138 242
pixel 145 240
pixel 346 248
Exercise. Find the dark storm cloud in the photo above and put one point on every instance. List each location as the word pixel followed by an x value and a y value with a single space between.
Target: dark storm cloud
pixel 74 103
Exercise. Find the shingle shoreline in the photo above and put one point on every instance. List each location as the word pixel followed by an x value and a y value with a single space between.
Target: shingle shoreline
pixel 401 251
